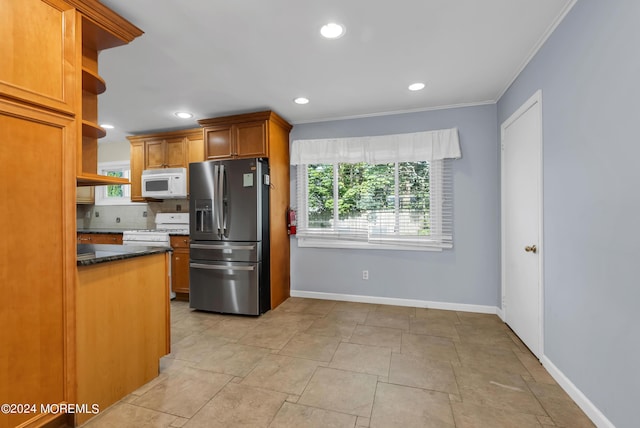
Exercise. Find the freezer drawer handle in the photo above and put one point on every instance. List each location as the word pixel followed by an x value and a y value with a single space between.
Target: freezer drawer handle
pixel 216 267
pixel 224 247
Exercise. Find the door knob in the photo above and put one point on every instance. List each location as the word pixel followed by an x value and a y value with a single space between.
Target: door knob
pixel 531 249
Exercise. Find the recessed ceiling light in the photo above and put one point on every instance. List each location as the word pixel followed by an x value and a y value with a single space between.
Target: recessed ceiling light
pixel 416 86
pixel 183 115
pixel 106 126
pixel 301 100
pixel 332 30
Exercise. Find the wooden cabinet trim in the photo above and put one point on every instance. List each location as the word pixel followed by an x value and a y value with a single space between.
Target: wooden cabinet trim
pixel 248 117
pixel 190 133
pixel 111 29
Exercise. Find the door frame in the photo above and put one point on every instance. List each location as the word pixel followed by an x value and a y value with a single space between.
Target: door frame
pixel 536 99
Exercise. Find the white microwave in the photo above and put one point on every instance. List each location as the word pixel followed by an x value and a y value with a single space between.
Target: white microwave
pixel 167 183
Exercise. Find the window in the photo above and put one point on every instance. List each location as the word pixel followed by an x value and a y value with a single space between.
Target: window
pixel 401 204
pixel 114 194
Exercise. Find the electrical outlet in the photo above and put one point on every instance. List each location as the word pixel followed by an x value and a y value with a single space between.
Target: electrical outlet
pixel 178 207
pixel 88 214
pixel 365 274
pixel 144 213
pixel 97 213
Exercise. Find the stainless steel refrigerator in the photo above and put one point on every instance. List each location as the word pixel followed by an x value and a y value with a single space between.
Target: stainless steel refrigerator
pixel 229 231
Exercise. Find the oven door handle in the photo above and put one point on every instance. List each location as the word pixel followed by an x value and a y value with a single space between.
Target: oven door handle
pixel 219 267
pixel 223 247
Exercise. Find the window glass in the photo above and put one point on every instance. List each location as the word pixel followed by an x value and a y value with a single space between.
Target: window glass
pixel 320 196
pixel 387 202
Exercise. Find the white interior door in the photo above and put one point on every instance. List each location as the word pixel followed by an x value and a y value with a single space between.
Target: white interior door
pixel 521 223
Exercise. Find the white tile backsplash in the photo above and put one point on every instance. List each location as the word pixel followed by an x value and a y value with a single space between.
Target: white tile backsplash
pixel 130 216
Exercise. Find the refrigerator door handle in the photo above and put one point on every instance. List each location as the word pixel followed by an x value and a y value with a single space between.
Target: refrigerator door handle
pixel 216 198
pixel 224 247
pixel 224 205
pixel 220 199
pixel 217 267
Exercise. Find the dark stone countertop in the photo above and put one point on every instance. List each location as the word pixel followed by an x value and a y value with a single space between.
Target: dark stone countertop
pixel 91 254
pixel 114 231
pixel 117 231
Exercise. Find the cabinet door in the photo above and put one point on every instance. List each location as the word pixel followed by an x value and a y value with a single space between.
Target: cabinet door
pixel 218 143
pixel 196 150
pixel 175 153
pixel 180 264
pixel 137 165
pixel 195 153
pixel 37 46
pixel 251 139
pixel 85 195
pixel 154 154
pixel 39 328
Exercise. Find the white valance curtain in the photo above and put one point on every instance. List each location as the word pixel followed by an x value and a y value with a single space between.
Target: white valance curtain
pixel 412 147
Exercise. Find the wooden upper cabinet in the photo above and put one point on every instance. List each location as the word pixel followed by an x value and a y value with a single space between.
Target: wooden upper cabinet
pixel 137 165
pixel 154 154
pixel 196 147
pixel 176 150
pixel 173 149
pixel 166 153
pixel 251 139
pixel 244 136
pixel 244 140
pixel 218 142
pixel 38 51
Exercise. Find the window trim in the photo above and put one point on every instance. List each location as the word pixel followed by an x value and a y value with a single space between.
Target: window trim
pixel 436 179
pixel 100 191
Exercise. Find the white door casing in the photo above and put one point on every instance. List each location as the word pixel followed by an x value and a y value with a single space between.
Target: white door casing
pixel 522 275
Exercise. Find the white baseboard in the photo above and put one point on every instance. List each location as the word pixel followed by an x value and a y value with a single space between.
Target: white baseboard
pixel 500 313
pixel 596 416
pixel 462 307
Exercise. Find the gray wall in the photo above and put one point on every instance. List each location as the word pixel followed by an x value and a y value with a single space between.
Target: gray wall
pixel 588 72
pixel 470 272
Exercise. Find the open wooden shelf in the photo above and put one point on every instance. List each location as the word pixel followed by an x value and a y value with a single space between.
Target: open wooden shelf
pixel 92 130
pixel 88 179
pixel 91 82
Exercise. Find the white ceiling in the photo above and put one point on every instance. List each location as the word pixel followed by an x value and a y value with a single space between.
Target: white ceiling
pixel 214 57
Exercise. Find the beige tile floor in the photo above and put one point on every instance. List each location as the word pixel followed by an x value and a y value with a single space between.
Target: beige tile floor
pixel 318 363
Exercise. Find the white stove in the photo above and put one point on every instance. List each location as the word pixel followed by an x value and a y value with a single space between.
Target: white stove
pixel 166 223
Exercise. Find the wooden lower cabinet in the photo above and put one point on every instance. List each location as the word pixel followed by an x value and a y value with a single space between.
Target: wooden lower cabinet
pixel 180 264
pixel 100 238
pixel 122 327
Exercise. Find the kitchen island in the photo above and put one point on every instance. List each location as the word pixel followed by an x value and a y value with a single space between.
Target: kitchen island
pixel 122 320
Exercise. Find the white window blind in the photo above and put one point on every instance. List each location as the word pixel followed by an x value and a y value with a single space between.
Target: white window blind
pixel 377 192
